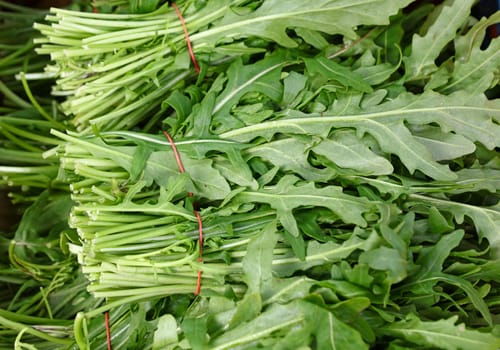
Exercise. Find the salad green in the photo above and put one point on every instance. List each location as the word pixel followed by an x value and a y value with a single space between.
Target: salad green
pixel 342 154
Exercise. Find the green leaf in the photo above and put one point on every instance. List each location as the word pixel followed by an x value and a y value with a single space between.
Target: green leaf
pixel 358 274
pixel 346 150
pixel 297 243
pixel 404 186
pixel 386 259
pixel 246 310
pixel 349 311
pixel 474 67
pixel 431 259
pixel 207 181
pixel 286 196
pixel 390 38
pixel 426 49
pixel 257 263
pixel 275 318
pixel 330 332
pixel 333 71
pixel 443 334
pixel 472 293
pixel 437 222
pixel 284 290
pixel 318 254
pixel 376 74
pixel 140 158
pixel 252 113
pixel 272 19
pixel 478 73
pixel 165 333
pixel 488 271
pixel 386 123
pixel 195 330
pixel 399 237
pixel 297 338
pixel 291 155
pixel 263 77
pixel 36 238
pixel 143 6
pixel 163 207
pixel 293 84
pixel 181 104
pixel 486 219
pixel 202 116
pixel 476 179
pixel 311 37
pixel 309 223
pixel 239 175
pixel 238 49
pixel 443 146
pixel 411 152
pixel 474 38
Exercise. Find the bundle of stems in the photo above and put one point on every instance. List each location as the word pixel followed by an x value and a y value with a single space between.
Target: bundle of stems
pixel 139 239
pixel 125 64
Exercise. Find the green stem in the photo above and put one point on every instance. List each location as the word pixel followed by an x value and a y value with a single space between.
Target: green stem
pixel 23 318
pixel 153 223
pixel 83 170
pixel 37 105
pixel 149 292
pixel 76 186
pixel 28 135
pixel 20 327
pixel 18 142
pixel 131 114
pixel 24 121
pixel 142 280
pixel 36 170
pixel 9 59
pixel 21 157
pixel 12 96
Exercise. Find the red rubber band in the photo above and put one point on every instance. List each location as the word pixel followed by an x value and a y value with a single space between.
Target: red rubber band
pixel 200 258
pixel 186 37
pixel 108 330
pixel 195 211
pixel 493 31
pixel 198 284
pixel 176 152
pixel 200 231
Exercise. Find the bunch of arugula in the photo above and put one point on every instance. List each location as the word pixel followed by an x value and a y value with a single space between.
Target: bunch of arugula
pixel 342 156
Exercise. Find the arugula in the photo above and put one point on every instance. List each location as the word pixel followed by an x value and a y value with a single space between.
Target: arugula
pixel 110 81
pixel 443 333
pixel 425 49
pixel 343 157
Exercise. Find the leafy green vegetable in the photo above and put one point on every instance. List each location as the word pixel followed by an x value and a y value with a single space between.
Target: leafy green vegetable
pixel 110 80
pixel 448 18
pixel 342 157
pixel 444 334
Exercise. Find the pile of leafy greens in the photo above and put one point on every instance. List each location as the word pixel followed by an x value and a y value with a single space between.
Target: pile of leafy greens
pixel 343 156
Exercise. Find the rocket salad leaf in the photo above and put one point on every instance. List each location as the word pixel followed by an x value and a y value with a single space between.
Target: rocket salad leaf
pixel 342 157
